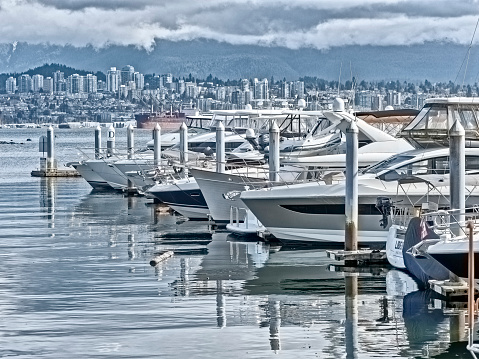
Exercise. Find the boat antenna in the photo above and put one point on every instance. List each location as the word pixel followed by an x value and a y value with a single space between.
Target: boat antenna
pixel 339 82
pixel 353 85
pixel 466 57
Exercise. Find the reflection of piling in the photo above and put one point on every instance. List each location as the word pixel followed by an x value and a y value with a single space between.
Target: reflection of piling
pixel 157 144
pixel 274 325
pixel 457 327
pixel 110 142
pixel 220 305
pixel 351 322
pixel 184 146
pixel 47 199
pixel 220 148
pixel 457 165
pixel 351 200
pixel 97 142
pixel 274 152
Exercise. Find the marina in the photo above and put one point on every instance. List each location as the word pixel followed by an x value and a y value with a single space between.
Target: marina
pixel 94 273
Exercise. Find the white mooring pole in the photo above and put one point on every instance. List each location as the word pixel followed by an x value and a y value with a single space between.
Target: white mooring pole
pixel 457 165
pixel 220 148
pixel 184 146
pixel 110 142
pixel 50 149
pixel 97 142
pixel 157 144
pixel 274 152
pixel 351 200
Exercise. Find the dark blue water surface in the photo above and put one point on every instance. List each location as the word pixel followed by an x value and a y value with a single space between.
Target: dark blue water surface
pixel 75 281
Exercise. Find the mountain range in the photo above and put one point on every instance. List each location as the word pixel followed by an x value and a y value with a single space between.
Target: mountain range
pixel 432 61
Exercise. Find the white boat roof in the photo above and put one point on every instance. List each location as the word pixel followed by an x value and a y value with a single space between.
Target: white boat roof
pixel 440 180
pixel 453 100
pixel 246 112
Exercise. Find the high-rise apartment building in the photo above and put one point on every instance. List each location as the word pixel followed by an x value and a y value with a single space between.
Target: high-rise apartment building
pixel 297 89
pixel 113 80
pixel 37 81
pixel 25 83
pixel 48 85
pixel 59 84
pixel 11 85
pixel 127 74
pixel 90 83
pixel 139 81
pixel 75 83
pixel 244 86
pixel 285 89
pixel 261 89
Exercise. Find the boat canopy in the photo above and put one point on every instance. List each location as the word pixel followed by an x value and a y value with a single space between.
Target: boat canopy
pixel 431 127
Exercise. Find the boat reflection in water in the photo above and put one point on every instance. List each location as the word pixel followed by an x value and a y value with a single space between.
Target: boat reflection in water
pixel 303 304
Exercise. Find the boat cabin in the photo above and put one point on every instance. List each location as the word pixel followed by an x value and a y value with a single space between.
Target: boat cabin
pixel 431 127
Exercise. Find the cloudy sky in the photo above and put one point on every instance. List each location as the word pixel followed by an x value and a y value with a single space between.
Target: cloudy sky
pixel 294 24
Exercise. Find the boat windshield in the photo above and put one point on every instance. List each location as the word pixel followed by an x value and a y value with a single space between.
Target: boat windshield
pixel 388 163
pixel 322 125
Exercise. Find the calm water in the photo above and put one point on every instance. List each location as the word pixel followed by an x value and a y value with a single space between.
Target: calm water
pixel 75 282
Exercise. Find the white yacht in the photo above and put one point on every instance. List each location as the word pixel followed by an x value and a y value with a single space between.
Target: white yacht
pixel 182 195
pixel 93 179
pixel 314 212
pixel 215 186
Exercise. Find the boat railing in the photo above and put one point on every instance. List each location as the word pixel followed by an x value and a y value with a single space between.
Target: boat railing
pixel 442 221
pixel 258 175
pixel 89 153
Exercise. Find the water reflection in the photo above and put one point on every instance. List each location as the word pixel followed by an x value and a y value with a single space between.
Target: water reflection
pixel 48 198
pixel 274 324
pixel 220 305
pixel 351 322
pixel 94 278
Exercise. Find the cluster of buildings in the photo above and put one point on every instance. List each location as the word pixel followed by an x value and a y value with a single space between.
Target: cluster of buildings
pixel 122 93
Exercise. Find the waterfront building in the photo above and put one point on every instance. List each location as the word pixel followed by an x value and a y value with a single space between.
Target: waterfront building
pixel 261 89
pixel 244 86
pixel 75 84
pixel 11 85
pixel 59 84
pixel 112 80
pixel 48 85
pixel 377 103
pixel 394 99
pixel 181 87
pixel 285 90
pixel 238 98
pixel 191 90
pixel 101 85
pixel 298 89
pixel 123 91
pixel 127 74
pixel 90 83
pixel 25 83
pixel 37 82
pixel 139 80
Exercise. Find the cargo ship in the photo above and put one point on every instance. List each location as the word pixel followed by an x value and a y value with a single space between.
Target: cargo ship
pixel 167 120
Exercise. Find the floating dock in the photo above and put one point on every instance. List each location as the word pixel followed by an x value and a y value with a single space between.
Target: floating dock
pixel 359 257
pixel 55 173
pixel 450 289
